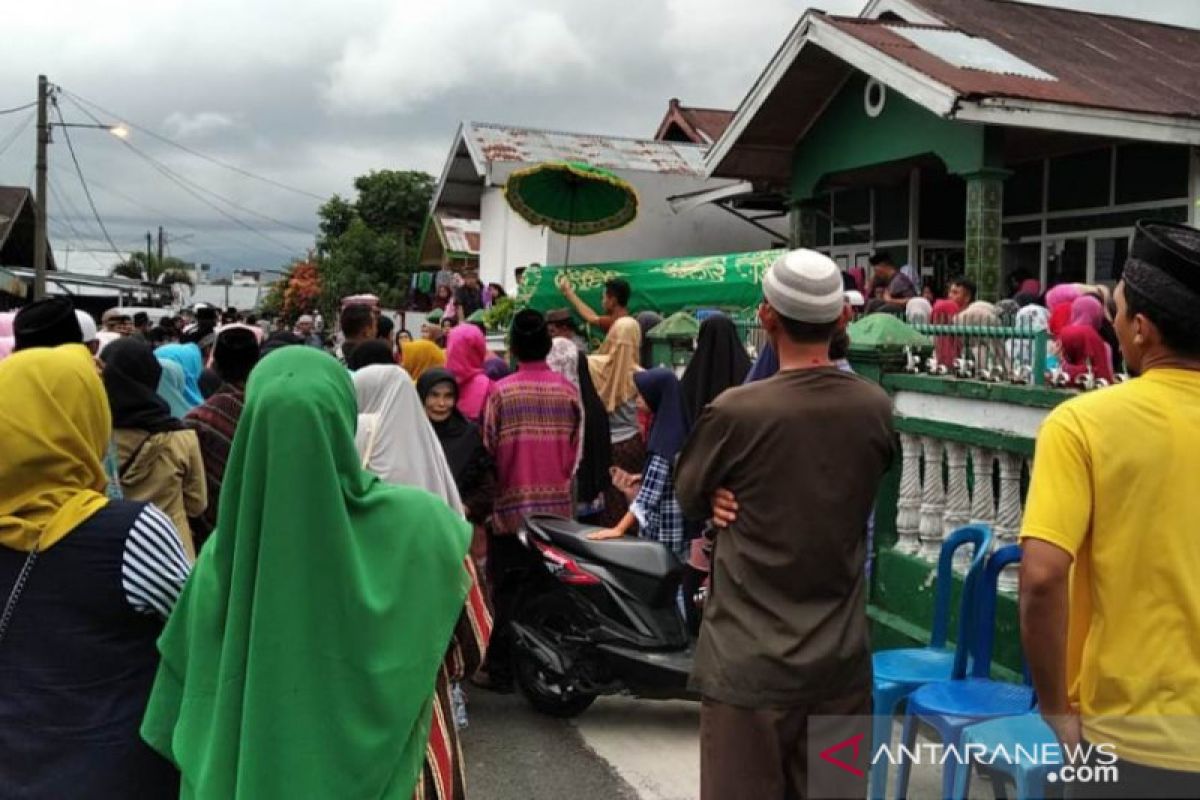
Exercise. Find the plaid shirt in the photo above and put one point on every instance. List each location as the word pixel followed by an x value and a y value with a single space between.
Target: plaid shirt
pixel 656 508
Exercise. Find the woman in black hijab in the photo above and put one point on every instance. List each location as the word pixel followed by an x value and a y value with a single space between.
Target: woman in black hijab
pixel 720 361
pixel 472 466
pixel 592 479
pixel 159 459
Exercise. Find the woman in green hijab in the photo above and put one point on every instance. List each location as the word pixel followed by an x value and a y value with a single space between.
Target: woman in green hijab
pixel 300 661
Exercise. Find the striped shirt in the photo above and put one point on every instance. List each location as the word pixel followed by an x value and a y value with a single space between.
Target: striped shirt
pixel 154 566
pixel 531 428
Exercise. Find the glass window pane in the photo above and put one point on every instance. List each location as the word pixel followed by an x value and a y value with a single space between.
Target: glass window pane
pixel 1147 171
pixel 1110 259
pixel 1079 180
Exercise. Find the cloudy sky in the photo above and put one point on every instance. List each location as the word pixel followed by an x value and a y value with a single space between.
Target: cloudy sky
pixel 311 93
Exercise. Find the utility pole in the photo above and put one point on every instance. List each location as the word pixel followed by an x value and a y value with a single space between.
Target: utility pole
pixel 39 233
pixel 160 246
pixel 149 263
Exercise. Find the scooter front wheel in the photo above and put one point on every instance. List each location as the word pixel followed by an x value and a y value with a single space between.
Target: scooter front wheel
pixel 548 692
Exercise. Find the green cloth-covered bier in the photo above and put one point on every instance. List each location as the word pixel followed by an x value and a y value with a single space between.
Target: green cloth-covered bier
pixel 731 282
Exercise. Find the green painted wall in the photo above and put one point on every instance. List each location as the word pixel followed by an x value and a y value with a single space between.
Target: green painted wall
pixel 846 138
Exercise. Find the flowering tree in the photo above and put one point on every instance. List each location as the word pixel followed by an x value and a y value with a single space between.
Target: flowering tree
pixel 301 290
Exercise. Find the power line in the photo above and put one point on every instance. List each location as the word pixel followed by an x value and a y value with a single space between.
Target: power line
pixel 82 181
pixel 181 224
pixel 16 133
pixel 183 183
pixel 15 109
pixel 201 188
pixel 197 153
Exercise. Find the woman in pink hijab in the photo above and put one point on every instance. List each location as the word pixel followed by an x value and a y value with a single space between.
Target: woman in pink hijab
pixel 1087 310
pixel 1082 348
pixel 947 348
pixel 7 340
pixel 1059 300
pixel 466 350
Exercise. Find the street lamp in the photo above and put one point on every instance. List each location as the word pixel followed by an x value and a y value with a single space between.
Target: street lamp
pixel 45 93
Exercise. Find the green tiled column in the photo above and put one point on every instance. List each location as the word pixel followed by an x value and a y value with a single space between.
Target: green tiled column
pixel 984 253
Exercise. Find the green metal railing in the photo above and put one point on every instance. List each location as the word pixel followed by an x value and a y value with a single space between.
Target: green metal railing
pixel 1016 355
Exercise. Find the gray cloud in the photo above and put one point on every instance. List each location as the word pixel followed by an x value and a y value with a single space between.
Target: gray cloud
pixel 314 93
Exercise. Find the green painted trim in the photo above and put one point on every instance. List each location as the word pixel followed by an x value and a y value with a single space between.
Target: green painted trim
pixel 976 437
pixel 1032 396
pixel 845 138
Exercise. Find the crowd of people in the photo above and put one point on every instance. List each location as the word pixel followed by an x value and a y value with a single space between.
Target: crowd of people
pixel 246 564
pixel 1078 319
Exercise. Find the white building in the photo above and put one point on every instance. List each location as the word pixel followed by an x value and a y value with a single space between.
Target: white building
pixel 484 155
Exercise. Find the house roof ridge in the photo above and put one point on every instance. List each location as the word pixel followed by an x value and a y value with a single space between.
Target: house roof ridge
pixel 578 134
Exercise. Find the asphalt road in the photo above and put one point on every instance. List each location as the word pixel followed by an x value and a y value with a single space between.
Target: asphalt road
pixel 513 753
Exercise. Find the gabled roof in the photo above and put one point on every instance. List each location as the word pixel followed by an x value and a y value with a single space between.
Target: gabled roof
pixel 696 125
pixel 18 217
pixel 447 234
pixel 478 146
pixel 983 61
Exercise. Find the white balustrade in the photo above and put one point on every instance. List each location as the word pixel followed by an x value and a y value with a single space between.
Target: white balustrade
pixel 933 500
pixel 1008 517
pixel 908 505
pixel 941 490
pixel 958 493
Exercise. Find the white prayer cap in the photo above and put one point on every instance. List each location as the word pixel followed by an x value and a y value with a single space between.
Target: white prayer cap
pixel 805 286
pixel 87 324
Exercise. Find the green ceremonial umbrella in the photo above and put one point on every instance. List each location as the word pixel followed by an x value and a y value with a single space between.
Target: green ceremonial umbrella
pixel 571 198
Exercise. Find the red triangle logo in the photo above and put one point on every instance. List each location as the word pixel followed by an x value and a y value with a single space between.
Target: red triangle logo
pixel 854 742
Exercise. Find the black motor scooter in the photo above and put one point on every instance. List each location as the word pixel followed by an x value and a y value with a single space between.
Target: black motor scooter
pixel 598 618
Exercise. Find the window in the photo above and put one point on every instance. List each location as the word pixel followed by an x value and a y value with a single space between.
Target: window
pixel 891 212
pixel 1110 259
pixel 1023 189
pixel 1080 180
pixel 1147 171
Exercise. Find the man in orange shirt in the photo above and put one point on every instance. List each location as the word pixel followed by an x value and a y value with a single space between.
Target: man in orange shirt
pixel 616 302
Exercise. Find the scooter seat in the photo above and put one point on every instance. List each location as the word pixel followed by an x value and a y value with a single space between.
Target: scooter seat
pixel 643 556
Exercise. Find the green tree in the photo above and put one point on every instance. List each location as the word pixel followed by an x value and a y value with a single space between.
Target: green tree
pixel 334 217
pixel 372 244
pixel 141 267
pixel 395 202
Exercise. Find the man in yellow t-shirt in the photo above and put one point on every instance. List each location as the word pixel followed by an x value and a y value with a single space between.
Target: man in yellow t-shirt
pixel 1110 578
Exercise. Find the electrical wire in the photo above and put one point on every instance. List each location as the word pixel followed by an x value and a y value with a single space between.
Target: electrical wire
pixel 197 153
pixel 183 183
pixel 15 134
pixel 15 109
pixel 179 224
pixel 83 181
pixel 198 187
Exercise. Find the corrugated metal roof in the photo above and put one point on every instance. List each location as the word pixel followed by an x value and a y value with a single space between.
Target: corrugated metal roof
pixel 460 235
pixel 700 125
pixel 532 146
pixel 1100 61
pixel 969 52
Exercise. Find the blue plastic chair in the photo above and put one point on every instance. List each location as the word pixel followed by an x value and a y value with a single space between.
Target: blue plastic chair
pixel 899 672
pixel 1028 732
pixel 949 707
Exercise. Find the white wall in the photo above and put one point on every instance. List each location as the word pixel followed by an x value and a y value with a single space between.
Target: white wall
pixel 507 241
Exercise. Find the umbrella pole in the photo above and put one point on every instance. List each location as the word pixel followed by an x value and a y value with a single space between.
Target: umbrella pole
pixel 571 217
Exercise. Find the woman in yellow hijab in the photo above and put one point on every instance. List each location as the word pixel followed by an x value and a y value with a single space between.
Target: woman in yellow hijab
pixel 612 369
pixel 89 583
pixel 421 355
